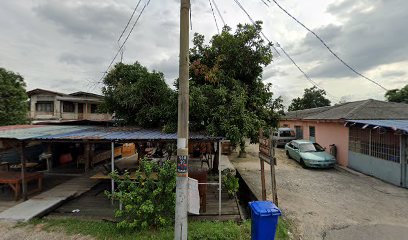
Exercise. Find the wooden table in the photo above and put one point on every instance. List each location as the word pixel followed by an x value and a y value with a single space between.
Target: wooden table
pixel 14 180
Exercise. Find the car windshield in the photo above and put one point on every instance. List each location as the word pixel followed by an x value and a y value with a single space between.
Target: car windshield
pixel 311 147
pixel 286 133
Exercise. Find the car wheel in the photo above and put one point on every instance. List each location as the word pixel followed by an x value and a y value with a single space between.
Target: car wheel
pixel 287 154
pixel 302 163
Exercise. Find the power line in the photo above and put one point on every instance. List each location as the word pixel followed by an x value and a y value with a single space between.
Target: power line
pixel 283 50
pixel 253 22
pixel 215 19
pixel 328 48
pixel 130 19
pixel 303 72
pixel 124 42
pixel 218 11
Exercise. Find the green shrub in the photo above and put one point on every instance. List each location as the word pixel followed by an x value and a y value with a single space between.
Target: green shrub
pixel 147 201
pixel 230 182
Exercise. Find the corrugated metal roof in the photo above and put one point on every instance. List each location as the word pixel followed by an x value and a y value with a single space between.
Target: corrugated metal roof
pixel 401 125
pixel 366 109
pixel 58 132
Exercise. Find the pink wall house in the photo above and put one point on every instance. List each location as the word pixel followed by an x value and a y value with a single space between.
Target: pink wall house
pixel 328 123
pixel 326 133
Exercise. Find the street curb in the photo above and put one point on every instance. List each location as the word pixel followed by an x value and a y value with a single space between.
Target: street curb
pixel 346 169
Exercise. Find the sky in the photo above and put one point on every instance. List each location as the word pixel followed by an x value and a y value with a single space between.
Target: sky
pixel 67 45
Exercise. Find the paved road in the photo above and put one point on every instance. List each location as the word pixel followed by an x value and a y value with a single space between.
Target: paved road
pixel 332 204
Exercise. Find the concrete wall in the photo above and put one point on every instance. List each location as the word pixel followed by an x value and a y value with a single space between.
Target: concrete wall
pixel 58 114
pixel 382 169
pixel 327 133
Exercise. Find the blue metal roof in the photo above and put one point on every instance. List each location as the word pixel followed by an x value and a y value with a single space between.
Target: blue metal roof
pixel 71 133
pixel 401 125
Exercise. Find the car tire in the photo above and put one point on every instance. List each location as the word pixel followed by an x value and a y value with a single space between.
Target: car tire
pixel 287 154
pixel 302 163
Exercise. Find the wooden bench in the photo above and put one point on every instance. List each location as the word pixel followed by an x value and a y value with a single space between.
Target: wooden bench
pixel 14 180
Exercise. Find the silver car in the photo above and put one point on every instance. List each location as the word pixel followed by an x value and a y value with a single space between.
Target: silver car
pixel 309 154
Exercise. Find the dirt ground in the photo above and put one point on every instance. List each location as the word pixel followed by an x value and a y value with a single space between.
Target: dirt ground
pixel 8 231
pixel 331 204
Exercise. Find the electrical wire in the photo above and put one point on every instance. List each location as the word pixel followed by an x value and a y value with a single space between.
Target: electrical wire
pixel 124 42
pixel 303 72
pixel 286 54
pixel 215 19
pixel 253 22
pixel 218 11
pixel 130 19
pixel 328 48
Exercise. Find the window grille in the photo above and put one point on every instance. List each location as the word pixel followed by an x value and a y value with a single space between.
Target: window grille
pixel 68 107
pixel 379 143
pixel 44 106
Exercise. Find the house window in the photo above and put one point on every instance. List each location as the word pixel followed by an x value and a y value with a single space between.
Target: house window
pixel 94 108
pixel 44 106
pixel 68 107
pixel 377 143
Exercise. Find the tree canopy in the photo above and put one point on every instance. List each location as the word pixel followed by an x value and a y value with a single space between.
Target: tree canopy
pixel 13 98
pixel 398 95
pixel 312 98
pixel 227 95
pixel 139 97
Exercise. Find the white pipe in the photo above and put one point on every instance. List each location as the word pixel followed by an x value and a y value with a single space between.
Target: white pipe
pixel 219 178
pixel 113 166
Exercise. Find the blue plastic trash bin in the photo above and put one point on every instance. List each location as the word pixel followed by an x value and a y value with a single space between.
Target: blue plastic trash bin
pixel 264 216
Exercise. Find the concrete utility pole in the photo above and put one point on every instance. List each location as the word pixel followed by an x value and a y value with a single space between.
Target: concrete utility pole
pixel 180 228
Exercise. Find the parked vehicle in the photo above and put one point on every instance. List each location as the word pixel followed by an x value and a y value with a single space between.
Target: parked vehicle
pixel 309 154
pixel 283 136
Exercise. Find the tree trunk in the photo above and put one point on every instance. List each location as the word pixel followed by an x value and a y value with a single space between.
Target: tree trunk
pixel 242 152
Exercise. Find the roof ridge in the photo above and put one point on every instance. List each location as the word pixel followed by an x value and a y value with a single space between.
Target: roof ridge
pixel 352 111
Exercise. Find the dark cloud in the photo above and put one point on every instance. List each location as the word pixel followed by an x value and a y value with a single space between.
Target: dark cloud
pixel 371 37
pixel 85 19
pixel 74 59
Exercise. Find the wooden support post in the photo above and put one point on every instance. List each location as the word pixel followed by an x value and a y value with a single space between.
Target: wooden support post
pixel 272 146
pixel 87 153
pixel 23 169
pixel 263 189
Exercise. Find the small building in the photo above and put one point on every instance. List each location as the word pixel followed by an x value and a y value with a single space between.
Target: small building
pixel 49 106
pixel 328 126
pixel 380 148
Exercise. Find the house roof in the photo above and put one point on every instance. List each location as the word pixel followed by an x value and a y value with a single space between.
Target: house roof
pixel 395 125
pixel 91 133
pixel 74 94
pixel 86 94
pixel 359 110
pixel 39 91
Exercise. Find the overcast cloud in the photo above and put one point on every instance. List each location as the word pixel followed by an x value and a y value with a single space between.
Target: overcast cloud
pixel 67 45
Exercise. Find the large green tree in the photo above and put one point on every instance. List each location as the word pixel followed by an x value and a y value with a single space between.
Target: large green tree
pixel 138 96
pixel 312 98
pixel 13 98
pixel 398 95
pixel 228 96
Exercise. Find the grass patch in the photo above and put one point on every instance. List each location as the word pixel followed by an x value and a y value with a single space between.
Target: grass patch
pixel 202 230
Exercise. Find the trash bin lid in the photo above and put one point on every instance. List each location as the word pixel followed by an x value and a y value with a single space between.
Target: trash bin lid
pixel 265 208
